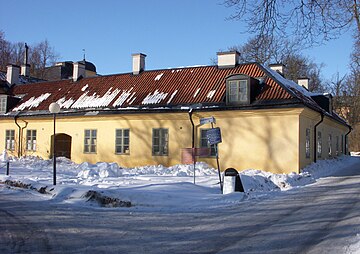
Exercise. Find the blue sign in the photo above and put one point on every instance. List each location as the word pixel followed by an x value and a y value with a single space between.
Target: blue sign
pixel 207 120
pixel 214 136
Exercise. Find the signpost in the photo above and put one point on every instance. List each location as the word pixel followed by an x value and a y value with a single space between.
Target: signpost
pixel 213 136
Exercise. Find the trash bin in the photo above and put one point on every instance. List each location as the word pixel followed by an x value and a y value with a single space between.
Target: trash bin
pixel 232 181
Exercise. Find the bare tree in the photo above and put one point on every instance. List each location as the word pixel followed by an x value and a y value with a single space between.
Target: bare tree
pixel 265 50
pixel 278 50
pixel 308 21
pixel 5 52
pixel 41 56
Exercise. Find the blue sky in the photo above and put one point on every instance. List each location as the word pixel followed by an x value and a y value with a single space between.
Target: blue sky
pixel 170 33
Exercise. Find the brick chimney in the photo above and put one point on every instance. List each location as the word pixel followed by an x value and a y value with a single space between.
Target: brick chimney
pixel 228 59
pixel 78 70
pixel 138 63
pixel 12 74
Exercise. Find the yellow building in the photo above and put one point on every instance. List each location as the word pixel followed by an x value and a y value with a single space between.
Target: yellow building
pixel 149 117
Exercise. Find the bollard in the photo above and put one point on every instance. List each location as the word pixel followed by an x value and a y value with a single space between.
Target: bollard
pixel 7 168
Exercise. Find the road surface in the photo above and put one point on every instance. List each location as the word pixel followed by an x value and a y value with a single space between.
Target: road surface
pixel 320 218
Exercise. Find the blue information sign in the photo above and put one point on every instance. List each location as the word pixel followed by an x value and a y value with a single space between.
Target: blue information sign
pixel 214 136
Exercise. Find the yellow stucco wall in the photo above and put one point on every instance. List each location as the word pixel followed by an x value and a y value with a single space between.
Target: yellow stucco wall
pixel 259 139
pixel 308 120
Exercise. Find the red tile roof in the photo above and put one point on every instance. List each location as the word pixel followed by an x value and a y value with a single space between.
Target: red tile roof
pixel 168 87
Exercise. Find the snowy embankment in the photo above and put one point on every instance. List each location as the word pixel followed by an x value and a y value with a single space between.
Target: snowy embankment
pixel 151 187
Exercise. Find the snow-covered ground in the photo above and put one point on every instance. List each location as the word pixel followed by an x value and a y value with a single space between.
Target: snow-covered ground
pixel 154 187
pixel 158 209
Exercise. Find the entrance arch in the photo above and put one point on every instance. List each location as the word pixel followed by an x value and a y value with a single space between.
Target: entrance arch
pixel 62 145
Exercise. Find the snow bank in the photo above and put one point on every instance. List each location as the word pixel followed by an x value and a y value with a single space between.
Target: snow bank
pixel 103 170
pixel 157 185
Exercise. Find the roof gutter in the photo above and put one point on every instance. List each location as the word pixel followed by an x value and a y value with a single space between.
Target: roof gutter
pixel 21 130
pixel 315 135
pixel 346 138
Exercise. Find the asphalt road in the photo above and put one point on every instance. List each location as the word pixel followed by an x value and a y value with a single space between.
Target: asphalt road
pixel 320 218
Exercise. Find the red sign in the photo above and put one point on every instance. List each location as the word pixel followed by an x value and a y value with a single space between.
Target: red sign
pixel 188 154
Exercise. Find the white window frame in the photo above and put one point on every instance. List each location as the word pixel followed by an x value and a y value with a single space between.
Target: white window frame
pixel 330 145
pixel 319 144
pixel 122 141
pixel 90 141
pixel 10 140
pixel 160 142
pixel 31 140
pixel 3 104
pixel 307 143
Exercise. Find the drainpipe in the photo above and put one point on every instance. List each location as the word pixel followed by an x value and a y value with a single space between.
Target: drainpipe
pixel 315 135
pixel 21 129
pixel 346 145
pixel 192 139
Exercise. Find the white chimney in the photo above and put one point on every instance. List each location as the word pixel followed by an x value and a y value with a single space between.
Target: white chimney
pixel 303 82
pixel 25 70
pixel 78 70
pixel 12 74
pixel 228 59
pixel 138 63
pixel 278 68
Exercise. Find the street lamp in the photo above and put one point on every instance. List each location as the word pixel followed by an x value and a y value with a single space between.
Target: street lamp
pixel 54 108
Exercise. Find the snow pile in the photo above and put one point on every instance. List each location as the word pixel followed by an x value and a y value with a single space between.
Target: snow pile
pixel 4 156
pixel 103 170
pixel 100 169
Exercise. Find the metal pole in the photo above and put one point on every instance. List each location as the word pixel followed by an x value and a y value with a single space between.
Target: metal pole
pixel 7 168
pixel 193 141
pixel 217 162
pixel 54 155
pixel 218 166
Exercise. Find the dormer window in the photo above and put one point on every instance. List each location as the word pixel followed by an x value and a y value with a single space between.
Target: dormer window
pixel 3 104
pixel 240 89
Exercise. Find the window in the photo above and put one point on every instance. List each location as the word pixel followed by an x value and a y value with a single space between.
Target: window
pixel 31 140
pixel 205 144
pixel 10 140
pixel 238 89
pixel 307 143
pixel 3 104
pixel 160 141
pixel 330 145
pixel 337 145
pixel 122 141
pixel 319 145
pixel 342 143
pixel 90 141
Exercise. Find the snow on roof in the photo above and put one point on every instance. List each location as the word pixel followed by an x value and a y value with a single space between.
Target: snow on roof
pixel 94 100
pixel 33 102
pixel 65 103
pixel 126 95
pixel 196 92
pixel 154 98
pixel 210 94
pixel 289 83
pixel 158 77
pixel 172 96
pixel 84 87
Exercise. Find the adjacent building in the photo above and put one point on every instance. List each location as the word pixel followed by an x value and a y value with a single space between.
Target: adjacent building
pixel 149 116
